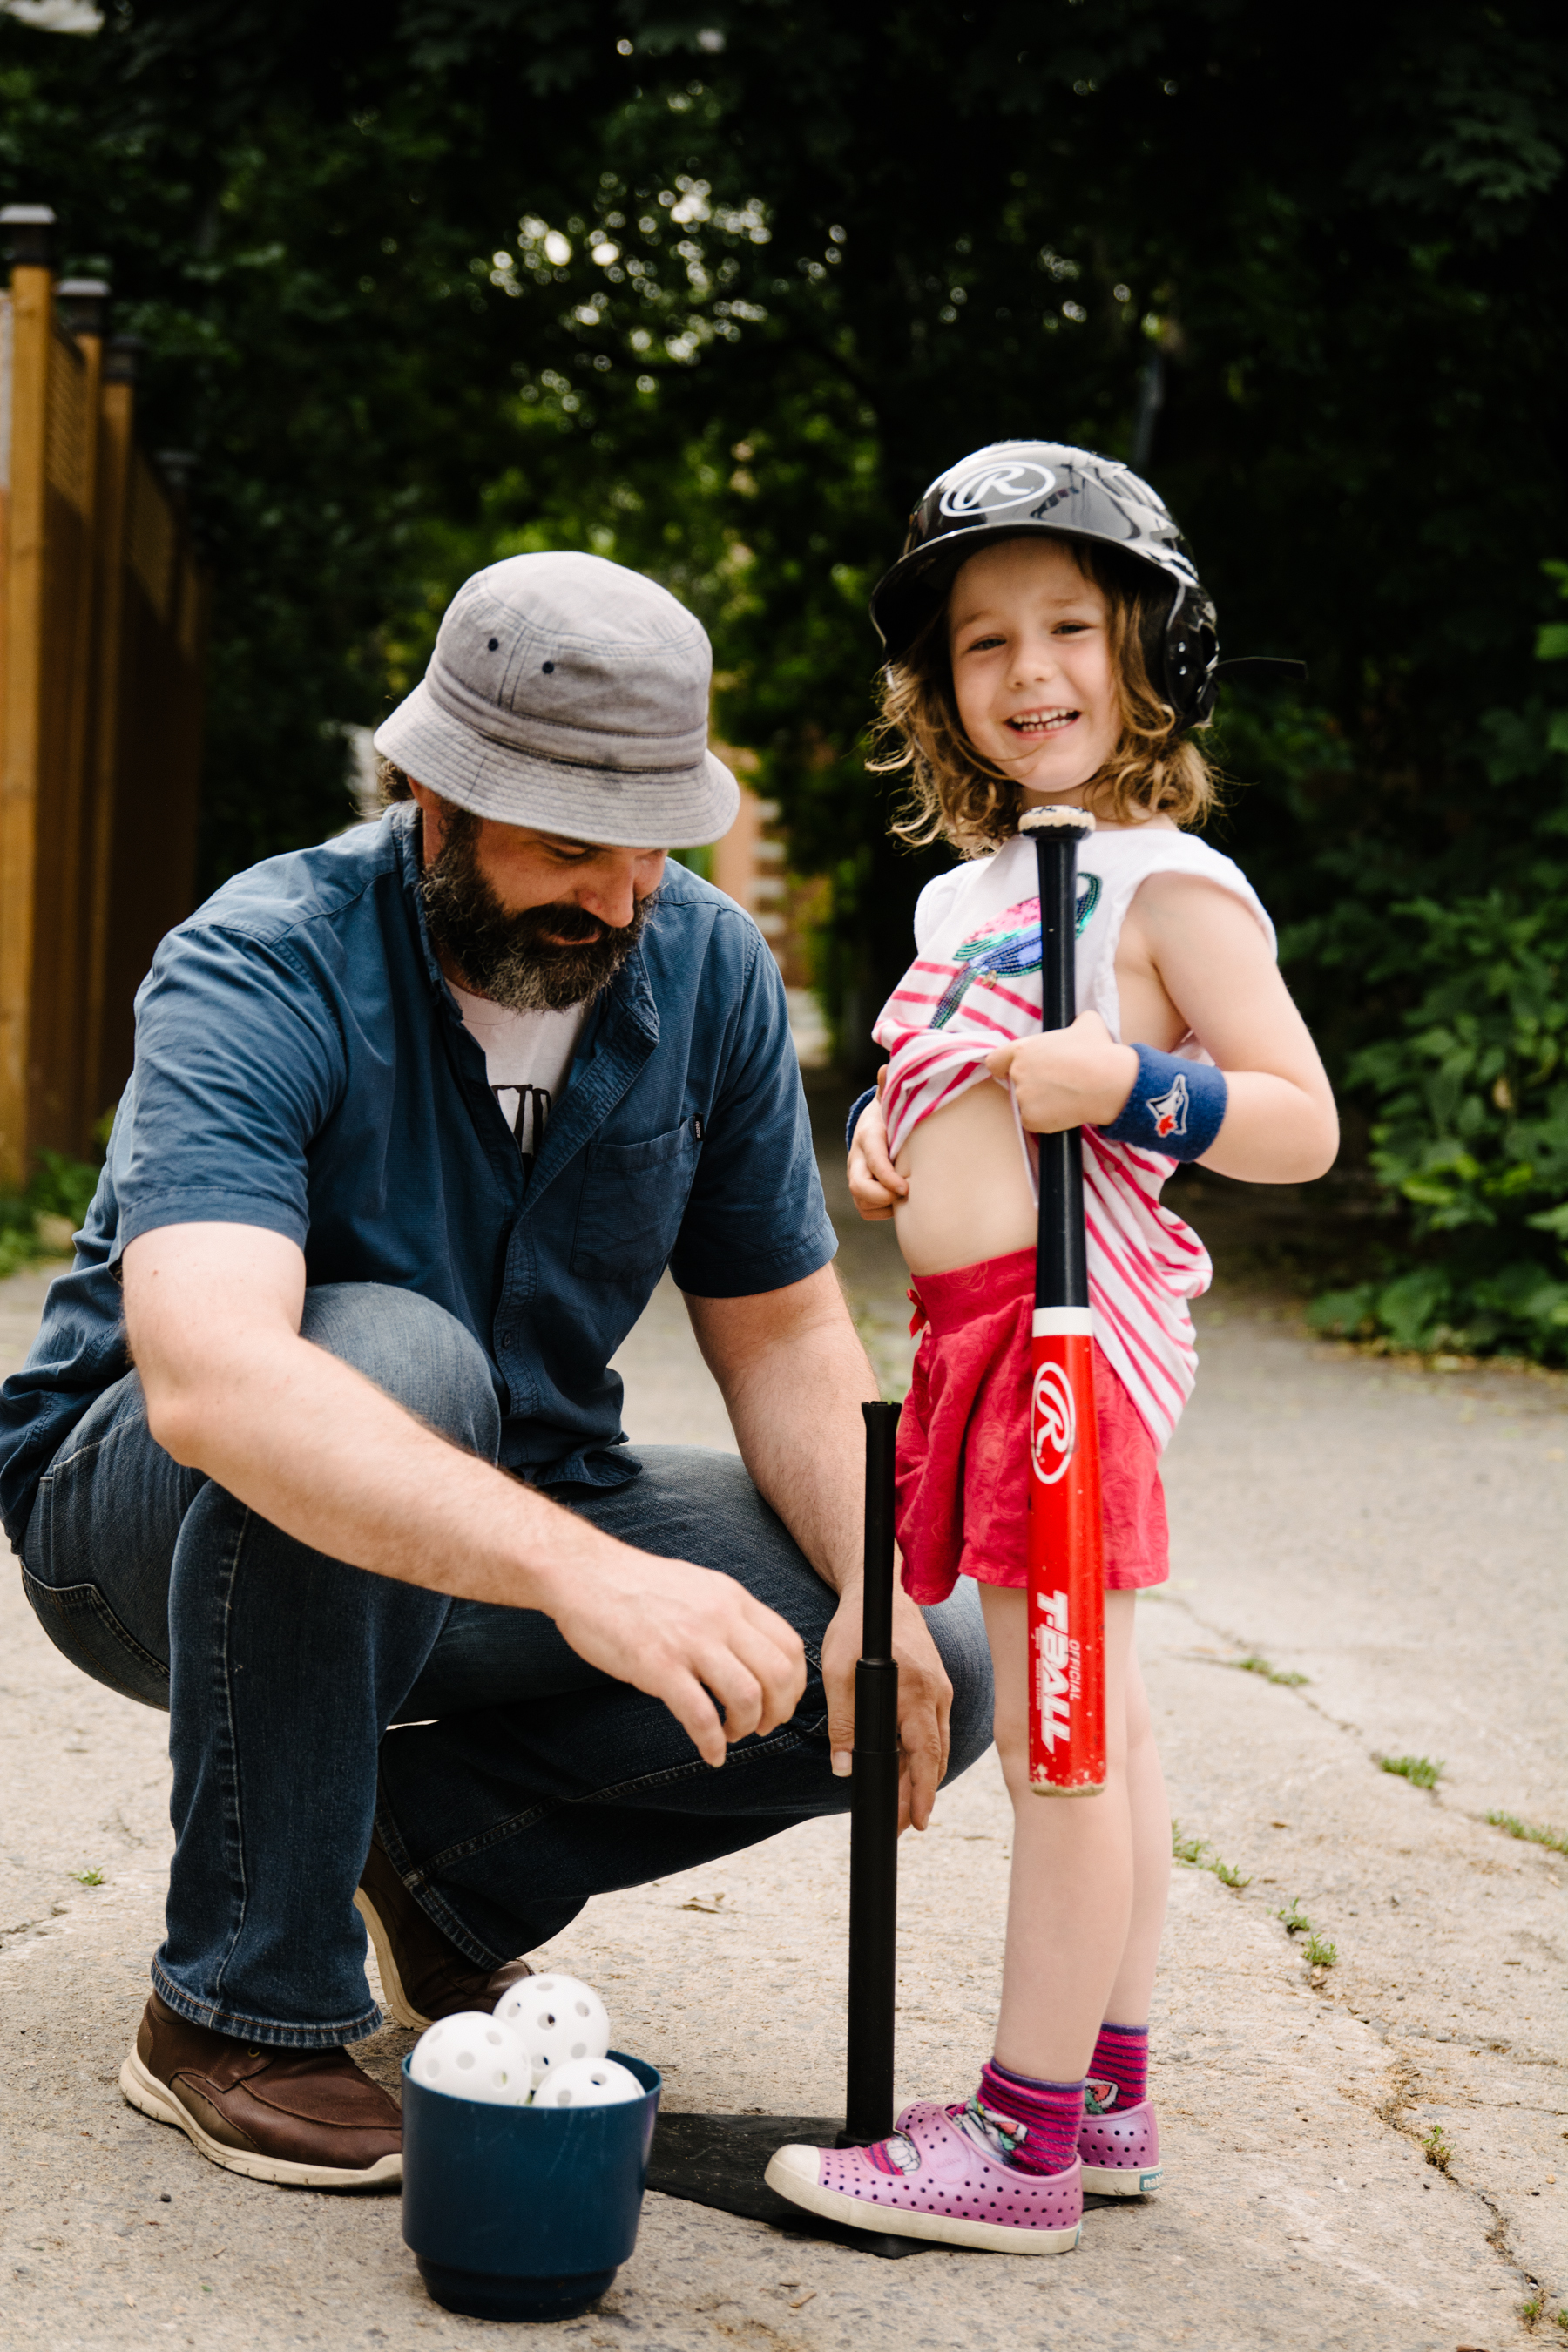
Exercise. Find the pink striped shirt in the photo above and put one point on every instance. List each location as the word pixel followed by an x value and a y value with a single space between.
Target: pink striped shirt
pixel 976 984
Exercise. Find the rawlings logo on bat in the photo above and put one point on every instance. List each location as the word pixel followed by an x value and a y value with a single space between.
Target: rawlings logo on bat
pixel 1053 1423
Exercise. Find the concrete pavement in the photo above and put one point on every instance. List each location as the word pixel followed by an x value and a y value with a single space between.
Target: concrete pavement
pixel 1394 1536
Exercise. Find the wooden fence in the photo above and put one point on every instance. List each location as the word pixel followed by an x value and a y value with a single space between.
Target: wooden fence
pixel 103 615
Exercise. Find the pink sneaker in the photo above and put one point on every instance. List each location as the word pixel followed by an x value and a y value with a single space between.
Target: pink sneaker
pixel 1120 2151
pixel 944 2175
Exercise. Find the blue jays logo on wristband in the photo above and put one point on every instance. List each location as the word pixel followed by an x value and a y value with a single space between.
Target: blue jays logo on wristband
pixel 1168 1110
pixel 1176 1106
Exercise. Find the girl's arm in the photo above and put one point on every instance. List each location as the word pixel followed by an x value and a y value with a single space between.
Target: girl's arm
pixel 1192 958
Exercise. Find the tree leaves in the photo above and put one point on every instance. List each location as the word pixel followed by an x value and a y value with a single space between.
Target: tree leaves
pixel 873 241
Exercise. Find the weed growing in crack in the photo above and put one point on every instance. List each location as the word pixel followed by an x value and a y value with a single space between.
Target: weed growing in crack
pixel 1534 1833
pixel 1296 1920
pixel 87 1877
pixel 1320 1953
pixel 1531 2312
pixel 1255 1665
pixel 1193 1851
pixel 1439 2148
pixel 1421 1771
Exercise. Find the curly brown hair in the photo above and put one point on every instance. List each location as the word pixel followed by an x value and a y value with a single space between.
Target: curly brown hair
pixel 956 795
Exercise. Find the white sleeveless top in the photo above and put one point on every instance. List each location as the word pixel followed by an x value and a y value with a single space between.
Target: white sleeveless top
pixel 976 984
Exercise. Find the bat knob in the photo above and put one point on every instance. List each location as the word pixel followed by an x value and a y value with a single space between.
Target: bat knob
pixel 1055 819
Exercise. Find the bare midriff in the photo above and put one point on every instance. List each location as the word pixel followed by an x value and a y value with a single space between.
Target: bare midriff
pixel 970 1197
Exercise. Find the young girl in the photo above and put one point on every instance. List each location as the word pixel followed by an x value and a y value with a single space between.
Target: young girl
pixel 1048 643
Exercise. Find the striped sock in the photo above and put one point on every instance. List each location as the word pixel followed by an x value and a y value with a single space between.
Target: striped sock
pixel 1122 2056
pixel 1053 2113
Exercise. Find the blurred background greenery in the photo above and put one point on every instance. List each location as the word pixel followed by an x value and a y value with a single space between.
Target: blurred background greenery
pixel 714 290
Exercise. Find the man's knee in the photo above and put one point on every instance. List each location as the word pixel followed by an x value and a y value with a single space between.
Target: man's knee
pixel 415 1350
pixel 958 1629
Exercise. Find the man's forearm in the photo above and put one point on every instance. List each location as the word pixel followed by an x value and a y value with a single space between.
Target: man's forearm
pixel 213 1316
pixel 320 1452
pixel 794 1406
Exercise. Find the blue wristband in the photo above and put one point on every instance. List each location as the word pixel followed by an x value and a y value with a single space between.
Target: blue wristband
pixel 1175 1107
pixel 856 1107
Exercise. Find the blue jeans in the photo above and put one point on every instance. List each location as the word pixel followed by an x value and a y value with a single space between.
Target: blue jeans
pixel 516 1780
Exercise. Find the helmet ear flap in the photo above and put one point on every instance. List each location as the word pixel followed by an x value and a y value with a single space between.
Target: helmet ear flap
pixel 1186 656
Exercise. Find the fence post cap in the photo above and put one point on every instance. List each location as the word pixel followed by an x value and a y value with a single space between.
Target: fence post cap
pixel 121 354
pixel 82 304
pixel 26 232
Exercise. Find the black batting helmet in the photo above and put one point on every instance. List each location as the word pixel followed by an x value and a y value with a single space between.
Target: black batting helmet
pixel 1011 489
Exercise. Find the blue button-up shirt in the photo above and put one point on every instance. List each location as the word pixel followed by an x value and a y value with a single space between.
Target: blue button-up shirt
pixel 301 1065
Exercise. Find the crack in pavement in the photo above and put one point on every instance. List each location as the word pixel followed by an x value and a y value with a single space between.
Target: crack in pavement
pixel 1408 2084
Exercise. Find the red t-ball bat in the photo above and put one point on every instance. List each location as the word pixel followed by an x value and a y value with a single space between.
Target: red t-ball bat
pixel 1067 1539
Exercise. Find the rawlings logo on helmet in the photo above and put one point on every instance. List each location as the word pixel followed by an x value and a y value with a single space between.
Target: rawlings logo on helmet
pixel 991 484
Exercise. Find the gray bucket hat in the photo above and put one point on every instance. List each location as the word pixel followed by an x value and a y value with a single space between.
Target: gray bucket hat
pixel 571 694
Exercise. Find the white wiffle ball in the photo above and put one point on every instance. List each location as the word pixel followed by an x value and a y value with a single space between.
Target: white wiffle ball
pixel 474 2056
pixel 587 2082
pixel 559 2018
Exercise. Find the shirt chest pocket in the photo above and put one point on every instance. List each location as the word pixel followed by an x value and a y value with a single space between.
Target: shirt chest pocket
pixel 633 1197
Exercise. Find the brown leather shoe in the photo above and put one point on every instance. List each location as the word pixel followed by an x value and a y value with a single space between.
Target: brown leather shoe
pixel 423 1976
pixel 305 2118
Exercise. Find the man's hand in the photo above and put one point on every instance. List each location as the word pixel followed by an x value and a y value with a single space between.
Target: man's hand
pixel 689 1636
pixel 793 1376
pixel 925 1701
pixel 875 1184
pixel 1077 1076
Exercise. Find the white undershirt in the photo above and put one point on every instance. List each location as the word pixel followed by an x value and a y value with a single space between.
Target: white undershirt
pixel 527 1057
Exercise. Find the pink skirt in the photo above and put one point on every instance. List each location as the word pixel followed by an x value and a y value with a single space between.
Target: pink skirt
pixel 962 1462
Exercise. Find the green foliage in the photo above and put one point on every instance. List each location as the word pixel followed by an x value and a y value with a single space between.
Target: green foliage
pixel 1439 2148
pixel 63 1187
pixel 1470 1133
pixel 1257 1665
pixel 1295 1920
pixel 18 1236
pixel 1194 1852
pixel 1421 1771
pixel 61 1190
pixel 427 284
pixel 1320 1953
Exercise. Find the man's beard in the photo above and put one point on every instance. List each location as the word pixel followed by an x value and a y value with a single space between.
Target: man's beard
pixel 518 960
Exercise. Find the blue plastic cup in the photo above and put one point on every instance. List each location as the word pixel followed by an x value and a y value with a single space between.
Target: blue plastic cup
pixel 523 2213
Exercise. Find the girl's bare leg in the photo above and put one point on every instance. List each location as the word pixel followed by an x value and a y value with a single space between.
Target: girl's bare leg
pixel 1087 1894
pixel 1149 1808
